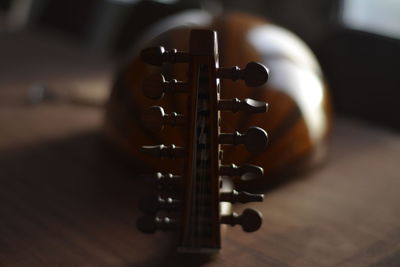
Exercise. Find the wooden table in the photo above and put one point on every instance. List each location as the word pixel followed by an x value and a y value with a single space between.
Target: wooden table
pixel 68 198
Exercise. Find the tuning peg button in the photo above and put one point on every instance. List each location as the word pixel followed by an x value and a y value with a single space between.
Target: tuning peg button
pixel 158 55
pixel 255 139
pixel 170 151
pixel 152 204
pixel 241 197
pixel 254 74
pixel 149 224
pixel 155 118
pixel 250 220
pixel 167 179
pixel 247 105
pixel 246 172
pixel 155 86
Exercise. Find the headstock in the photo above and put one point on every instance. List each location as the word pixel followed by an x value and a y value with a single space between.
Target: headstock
pixel 196 210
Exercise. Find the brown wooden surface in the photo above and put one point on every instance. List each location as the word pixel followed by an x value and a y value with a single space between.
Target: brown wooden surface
pixel 67 199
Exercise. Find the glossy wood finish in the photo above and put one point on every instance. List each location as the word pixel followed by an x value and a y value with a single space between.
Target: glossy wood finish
pixel 298 119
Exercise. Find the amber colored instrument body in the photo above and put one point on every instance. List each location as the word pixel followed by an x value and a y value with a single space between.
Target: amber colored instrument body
pixel 298 120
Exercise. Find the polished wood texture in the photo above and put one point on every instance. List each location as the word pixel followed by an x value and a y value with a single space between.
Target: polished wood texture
pixel 298 120
pixel 67 202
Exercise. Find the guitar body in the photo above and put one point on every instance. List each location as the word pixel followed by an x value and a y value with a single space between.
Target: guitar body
pixel 298 118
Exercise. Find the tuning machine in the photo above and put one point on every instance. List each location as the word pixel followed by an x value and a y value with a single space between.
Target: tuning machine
pixel 152 204
pixel 155 86
pixel 164 151
pixel 255 139
pixel 246 172
pixel 247 105
pixel 155 118
pixel 234 196
pixel 167 179
pixel 254 74
pixel 250 220
pixel 158 55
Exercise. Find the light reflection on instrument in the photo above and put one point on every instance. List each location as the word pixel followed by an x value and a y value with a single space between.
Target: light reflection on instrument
pixel 295 72
pixel 298 120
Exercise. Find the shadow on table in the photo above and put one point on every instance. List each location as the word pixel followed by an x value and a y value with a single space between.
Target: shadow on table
pixel 85 184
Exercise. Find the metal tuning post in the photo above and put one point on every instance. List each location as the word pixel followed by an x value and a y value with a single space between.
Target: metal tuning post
pixel 158 55
pixel 247 105
pixel 254 74
pixel 155 86
pixel 170 151
pixel 255 139
pixel 155 118
pixel 250 220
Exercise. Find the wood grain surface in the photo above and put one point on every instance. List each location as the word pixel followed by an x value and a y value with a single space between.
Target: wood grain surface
pixel 67 198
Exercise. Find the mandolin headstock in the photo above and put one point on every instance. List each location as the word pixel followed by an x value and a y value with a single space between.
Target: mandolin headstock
pixel 194 201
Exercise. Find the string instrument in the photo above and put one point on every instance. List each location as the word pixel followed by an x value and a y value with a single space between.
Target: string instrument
pixel 298 121
pixel 196 210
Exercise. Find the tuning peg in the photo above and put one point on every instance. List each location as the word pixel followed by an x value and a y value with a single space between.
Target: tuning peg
pixel 163 179
pixel 246 172
pixel 255 139
pixel 241 197
pixel 158 55
pixel 247 105
pixel 170 151
pixel 152 204
pixel 250 220
pixel 254 74
pixel 155 118
pixel 149 224
pixel 155 86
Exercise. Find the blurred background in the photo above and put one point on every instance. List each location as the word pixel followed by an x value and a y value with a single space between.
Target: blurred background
pixel 356 42
pixel 58 60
